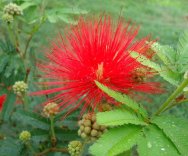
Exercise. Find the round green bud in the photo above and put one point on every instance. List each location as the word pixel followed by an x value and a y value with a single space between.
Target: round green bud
pixel 87 123
pixel 102 127
pixel 94 132
pixel 7 18
pixel 82 128
pixel 79 132
pixel 75 148
pixel 96 126
pixel 12 9
pixel 80 122
pixel 50 109
pixel 25 136
pixel 93 138
pixel 87 130
pixel 83 135
pixel 20 88
pixel 93 119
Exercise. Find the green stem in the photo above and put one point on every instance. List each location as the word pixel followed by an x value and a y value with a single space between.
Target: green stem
pixel 29 146
pixel 62 150
pixel 172 96
pixel 13 39
pixel 34 30
pixel 53 137
pixel 175 104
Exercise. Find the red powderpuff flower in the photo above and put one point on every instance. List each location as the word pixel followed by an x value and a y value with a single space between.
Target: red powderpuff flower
pixel 90 51
pixel 2 100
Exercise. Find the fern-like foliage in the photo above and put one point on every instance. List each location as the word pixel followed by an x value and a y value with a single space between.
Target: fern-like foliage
pixel 122 98
pixel 174 62
pixel 118 117
pixel 11 66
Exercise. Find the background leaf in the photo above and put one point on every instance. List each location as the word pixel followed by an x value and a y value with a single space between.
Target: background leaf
pixel 8 106
pixel 31 118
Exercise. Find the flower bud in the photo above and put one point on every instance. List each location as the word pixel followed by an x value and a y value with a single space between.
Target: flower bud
pixel 51 109
pixel 20 88
pixel 25 136
pixel 7 18
pixel 106 107
pixel 89 129
pixel 12 9
pixel 75 148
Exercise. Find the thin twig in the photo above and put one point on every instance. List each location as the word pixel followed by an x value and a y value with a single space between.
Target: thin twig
pixel 53 149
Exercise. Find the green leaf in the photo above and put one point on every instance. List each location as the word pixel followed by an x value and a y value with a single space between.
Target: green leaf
pixel 182 52
pixel 3 62
pixel 154 143
pixel 26 4
pixel 170 76
pixel 66 134
pixel 118 117
pixel 145 61
pixel 67 19
pixel 167 54
pixel 123 99
pixel 164 72
pixel 116 141
pixel 52 18
pixel 8 106
pixel 160 51
pixel 10 147
pixel 31 118
pixel 182 46
pixel 176 129
pixel 39 135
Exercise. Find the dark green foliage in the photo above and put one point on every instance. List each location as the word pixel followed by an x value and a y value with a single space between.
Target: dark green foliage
pixel 11 66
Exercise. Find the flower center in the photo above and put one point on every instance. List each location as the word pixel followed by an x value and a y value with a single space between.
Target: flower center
pixel 99 71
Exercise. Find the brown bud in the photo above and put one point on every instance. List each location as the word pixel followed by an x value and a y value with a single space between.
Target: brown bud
pixel 96 126
pixel 83 135
pixel 93 138
pixel 93 119
pixel 87 130
pixel 94 133
pixel 102 127
pixel 81 128
pixel 87 123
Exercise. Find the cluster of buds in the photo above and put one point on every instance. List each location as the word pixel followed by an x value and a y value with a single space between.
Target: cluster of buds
pixel 7 18
pixel 50 109
pixel 89 129
pixel 11 10
pixel 20 88
pixel 75 148
pixel 25 136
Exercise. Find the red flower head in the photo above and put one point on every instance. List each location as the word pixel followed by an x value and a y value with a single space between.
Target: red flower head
pixel 2 100
pixel 90 51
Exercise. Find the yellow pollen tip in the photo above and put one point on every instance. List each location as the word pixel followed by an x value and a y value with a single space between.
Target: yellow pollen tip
pixel 100 70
